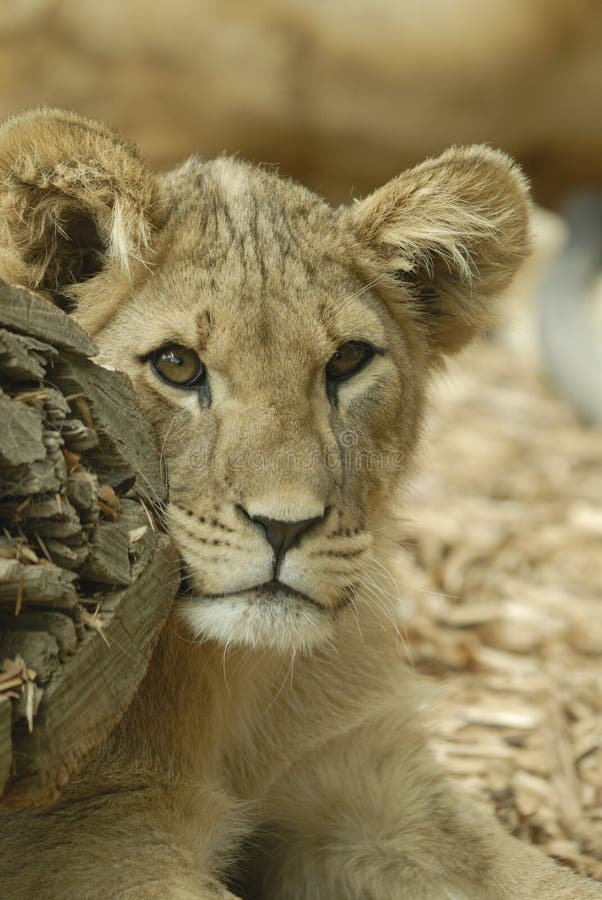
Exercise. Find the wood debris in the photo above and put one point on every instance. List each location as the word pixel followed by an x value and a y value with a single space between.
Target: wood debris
pixel 83 583
pixel 502 579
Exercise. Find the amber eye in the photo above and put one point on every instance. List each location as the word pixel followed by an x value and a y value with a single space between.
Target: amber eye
pixel 178 365
pixel 348 360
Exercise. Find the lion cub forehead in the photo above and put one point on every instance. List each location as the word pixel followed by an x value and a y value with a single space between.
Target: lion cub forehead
pixel 226 207
pixel 238 183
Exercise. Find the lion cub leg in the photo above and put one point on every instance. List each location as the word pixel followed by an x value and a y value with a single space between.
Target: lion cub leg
pixel 370 817
pixel 108 842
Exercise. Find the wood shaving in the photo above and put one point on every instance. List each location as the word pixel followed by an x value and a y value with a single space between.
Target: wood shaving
pixel 502 578
pixel 14 673
pixel 137 533
pixel 108 496
pixel 93 621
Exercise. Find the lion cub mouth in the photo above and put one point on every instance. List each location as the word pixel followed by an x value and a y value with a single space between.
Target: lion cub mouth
pixel 277 590
pixel 273 591
pixel 271 614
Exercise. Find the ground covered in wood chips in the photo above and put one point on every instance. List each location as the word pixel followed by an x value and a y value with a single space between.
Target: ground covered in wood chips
pixel 503 579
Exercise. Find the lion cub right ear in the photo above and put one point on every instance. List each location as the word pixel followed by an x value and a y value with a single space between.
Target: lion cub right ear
pixel 443 239
pixel 76 203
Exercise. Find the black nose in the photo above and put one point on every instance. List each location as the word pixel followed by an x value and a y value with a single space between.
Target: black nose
pixel 282 535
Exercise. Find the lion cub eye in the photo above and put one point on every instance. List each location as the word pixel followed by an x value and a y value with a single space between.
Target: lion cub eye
pixel 178 365
pixel 348 360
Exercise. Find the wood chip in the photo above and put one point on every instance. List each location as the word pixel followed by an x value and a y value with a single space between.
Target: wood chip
pixel 505 551
pixel 136 534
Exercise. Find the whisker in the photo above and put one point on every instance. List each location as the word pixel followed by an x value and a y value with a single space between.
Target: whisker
pixel 288 673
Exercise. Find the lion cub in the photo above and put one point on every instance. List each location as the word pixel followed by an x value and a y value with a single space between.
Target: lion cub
pixel 280 349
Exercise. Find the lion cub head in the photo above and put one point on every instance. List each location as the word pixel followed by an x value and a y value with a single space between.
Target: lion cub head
pixel 278 346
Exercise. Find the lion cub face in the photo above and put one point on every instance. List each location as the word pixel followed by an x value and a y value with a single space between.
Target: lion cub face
pixel 279 347
pixel 284 396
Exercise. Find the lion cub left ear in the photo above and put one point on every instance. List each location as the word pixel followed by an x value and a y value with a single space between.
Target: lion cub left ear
pixel 76 203
pixel 442 239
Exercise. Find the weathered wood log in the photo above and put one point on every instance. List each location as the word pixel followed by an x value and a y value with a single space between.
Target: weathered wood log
pixel 93 688
pixel 125 445
pixel 18 357
pixel 21 433
pixel 80 479
pixel 30 314
pixel 23 584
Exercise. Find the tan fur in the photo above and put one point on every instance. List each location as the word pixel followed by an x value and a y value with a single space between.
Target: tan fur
pixel 277 743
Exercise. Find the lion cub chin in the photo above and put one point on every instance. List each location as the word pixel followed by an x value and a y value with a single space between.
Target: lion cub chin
pixel 281 349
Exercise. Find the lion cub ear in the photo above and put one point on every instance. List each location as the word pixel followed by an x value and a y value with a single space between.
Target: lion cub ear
pixel 75 202
pixel 446 237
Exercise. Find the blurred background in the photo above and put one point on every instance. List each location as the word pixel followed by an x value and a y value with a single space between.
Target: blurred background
pixel 341 93
pixel 504 570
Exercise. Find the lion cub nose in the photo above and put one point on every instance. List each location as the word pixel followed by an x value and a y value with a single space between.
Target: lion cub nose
pixel 282 535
